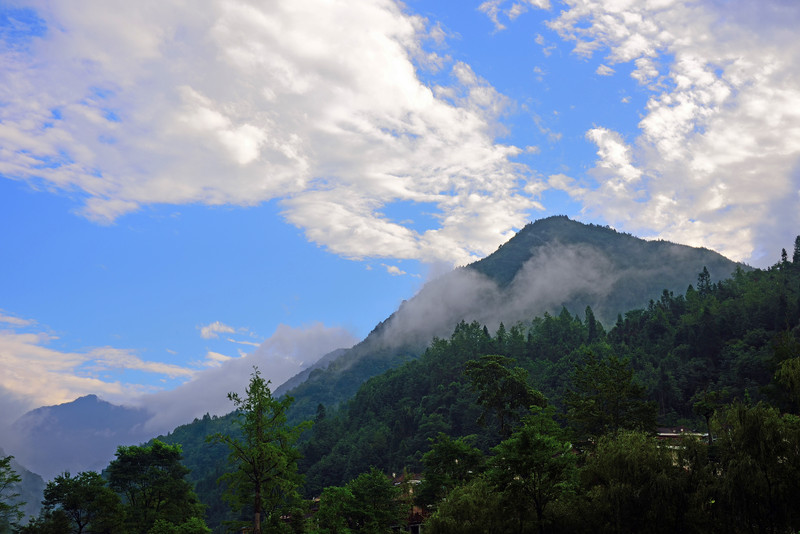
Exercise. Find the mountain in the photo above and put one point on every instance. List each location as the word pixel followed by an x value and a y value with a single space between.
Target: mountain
pixel 76 436
pixel 738 338
pixel 550 264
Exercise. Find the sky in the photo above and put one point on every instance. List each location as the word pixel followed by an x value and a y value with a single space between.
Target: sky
pixel 186 193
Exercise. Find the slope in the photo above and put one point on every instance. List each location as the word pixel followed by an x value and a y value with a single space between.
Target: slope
pixel 551 263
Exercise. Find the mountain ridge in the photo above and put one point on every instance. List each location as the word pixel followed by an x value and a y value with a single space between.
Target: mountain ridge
pixel 549 264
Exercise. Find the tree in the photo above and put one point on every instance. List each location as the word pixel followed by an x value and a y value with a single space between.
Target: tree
pixel 450 463
pixel 502 390
pixel 335 508
pixel 796 255
pixel 604 397
pixel 633 485
pixel 760 467
pixel 86 501
pixel 265 457
pixel 10 512
pixel 474 508
pixel 533 467
pixel 705 403
pixel 151 481
pixel 369 503
pixel 704 282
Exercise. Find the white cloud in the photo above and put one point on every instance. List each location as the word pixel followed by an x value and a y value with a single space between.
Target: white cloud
pixel 495 9
pixel 36 374
pixel 317 104
pixel 716 159
pixel 215 359
pixel 212 331
pixel 394 270
pixel 604 70
pixel 15 321
pixel 287 352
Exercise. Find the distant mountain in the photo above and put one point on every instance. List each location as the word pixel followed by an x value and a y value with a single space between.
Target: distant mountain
pixel 76 436
pixel 30 489
pixel 549 264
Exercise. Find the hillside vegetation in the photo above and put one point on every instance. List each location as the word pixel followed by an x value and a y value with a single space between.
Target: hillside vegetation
pixel 685 358
pixel 550 264
pixel 514 420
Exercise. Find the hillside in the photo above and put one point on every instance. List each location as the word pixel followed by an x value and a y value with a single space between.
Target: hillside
pixel 727 338
pixel 550 264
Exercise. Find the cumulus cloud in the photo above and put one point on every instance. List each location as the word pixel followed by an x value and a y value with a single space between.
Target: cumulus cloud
pixel 716 159
pixel 319 105
pixel 212 331
pixel 604 70
pixel 287 352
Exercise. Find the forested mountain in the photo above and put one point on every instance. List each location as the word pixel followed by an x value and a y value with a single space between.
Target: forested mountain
pixel 722 340
pixel 539 284
pixel 515 429
pixel 550 264
pixel 678 360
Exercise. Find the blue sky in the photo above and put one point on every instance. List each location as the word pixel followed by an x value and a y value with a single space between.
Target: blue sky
pixel 187 192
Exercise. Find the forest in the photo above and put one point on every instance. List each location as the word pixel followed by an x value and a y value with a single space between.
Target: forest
pixel 548 425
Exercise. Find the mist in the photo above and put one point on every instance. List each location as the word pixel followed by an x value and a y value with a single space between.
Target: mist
pixel 84 434
pixel 287 352
pixel 553 276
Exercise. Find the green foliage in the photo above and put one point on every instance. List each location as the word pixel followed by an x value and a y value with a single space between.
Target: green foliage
pixel 48 522
pixel 470 509
pixel 449 463
pixel 370 503
pixel 731 337
pixel 501 390
pixel 207 462
pixel 265 459
pixel 393 417
pixel 10 512
pixel 86 501
pixel 151 481
pixel 532 468
pixel 604 397
pixel 633 484
pixel 759 460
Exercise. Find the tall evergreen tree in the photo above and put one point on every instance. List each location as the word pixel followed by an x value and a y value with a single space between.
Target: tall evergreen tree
pixel 796 255
pixel 266 477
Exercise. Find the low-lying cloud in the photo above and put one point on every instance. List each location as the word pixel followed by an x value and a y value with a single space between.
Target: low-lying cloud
pixel 551 277
pixel 287 352
pixel 35 375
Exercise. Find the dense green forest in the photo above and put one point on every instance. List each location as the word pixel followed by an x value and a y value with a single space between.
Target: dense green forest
pixel 517 429
pixel 721 340
pixel 686 360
